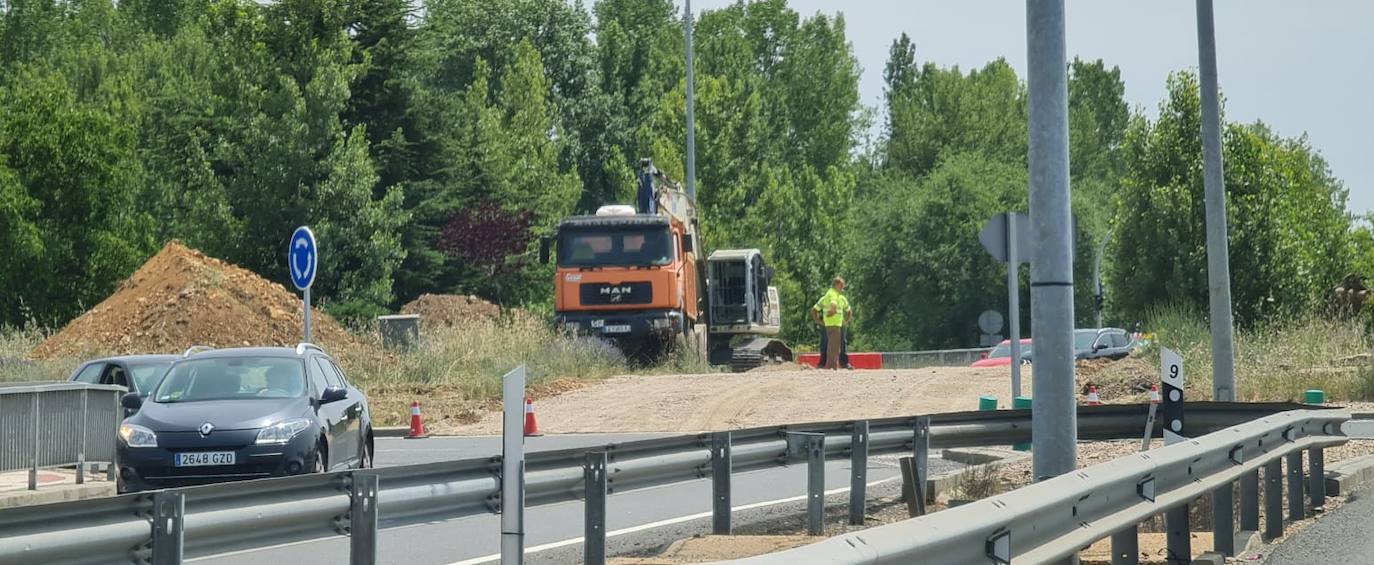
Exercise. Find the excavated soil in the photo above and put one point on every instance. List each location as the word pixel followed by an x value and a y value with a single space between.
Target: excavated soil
pixel 722 401
pixel 450 309
pixel 180 298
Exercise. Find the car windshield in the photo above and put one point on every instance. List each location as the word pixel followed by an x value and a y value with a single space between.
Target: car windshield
pixel 232 378
pixel 629 246
pixel 1083 339
pixel 147 373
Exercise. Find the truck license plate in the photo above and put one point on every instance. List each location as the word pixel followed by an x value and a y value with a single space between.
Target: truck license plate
pixel 619 329
pixel 204 458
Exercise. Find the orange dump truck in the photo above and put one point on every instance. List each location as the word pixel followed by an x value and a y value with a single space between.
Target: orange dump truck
pixel 636 277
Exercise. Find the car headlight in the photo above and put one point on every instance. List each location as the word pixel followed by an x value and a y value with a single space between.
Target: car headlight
pixel 278 434
pixel 135 435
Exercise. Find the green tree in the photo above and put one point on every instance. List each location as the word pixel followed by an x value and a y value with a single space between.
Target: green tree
pixel 917 269
pixel 67 194
pixel 1288 226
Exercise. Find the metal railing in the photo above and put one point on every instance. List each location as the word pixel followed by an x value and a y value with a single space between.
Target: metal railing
pixel 228 517
pixel 46 424
pixel 934 358
pixel 1052 520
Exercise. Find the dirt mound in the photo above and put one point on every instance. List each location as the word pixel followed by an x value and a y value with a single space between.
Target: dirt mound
pixel 450 309
pixel 181 298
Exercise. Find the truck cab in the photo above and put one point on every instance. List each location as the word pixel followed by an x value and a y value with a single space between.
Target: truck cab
pixel 632 276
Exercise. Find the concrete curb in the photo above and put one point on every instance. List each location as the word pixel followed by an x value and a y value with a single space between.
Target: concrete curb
pixel 982 455
pixel 1344 477
pixel 62 493
pixel 972 457
pixel 391 431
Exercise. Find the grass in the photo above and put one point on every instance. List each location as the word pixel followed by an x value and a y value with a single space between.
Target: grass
pixel 1275 361
pixel 15 344
pixel 456 372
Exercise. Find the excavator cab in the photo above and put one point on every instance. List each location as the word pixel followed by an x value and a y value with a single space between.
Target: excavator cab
pixel 744 310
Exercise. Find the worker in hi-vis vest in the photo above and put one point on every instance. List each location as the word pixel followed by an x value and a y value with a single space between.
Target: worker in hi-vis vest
pixel 833 312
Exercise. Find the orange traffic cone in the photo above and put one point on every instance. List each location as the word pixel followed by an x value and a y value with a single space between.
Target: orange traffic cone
pixel 531 425
pixel 417 424
pixel 1093 399
pixel 1154 395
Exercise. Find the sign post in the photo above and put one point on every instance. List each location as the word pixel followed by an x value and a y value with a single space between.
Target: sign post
pixel 302 256
pixel 1002 236
pixel 513 467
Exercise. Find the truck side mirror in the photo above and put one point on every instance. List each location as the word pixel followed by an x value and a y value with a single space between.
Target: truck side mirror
pixel 544 244
pixel 687 246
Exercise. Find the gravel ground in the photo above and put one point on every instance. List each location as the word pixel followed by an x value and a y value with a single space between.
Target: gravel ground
pixel 723 401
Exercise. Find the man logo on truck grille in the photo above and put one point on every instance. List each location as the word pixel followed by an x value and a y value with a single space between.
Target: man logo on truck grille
pixel 616 290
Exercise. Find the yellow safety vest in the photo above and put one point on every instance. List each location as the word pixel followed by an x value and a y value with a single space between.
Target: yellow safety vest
pixel 833 307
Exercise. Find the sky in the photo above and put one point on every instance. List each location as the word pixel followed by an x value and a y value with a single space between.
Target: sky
pixel 1300 66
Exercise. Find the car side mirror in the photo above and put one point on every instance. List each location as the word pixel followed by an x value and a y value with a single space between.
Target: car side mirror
pixel 132 401
pixel 983 355
pixel 333 394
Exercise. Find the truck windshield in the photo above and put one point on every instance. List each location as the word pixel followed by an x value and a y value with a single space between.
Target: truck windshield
pixel 619 247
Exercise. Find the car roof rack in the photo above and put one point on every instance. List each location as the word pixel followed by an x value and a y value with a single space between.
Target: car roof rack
pixel 304 345
pixel 194 349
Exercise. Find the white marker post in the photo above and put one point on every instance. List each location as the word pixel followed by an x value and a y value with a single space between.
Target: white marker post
pixel 302 256
pixel 1171 374
pixel 513 467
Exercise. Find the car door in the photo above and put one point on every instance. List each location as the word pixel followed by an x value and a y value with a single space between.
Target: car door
pixel 357 408
pixel 1120 344
pixel 343 440
pixel 330 415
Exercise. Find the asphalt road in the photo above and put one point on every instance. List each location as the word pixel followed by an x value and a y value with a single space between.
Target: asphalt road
pixel 1341 536
pixel 554 531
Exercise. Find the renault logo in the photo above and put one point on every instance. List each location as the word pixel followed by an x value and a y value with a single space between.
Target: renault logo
pixel 206 428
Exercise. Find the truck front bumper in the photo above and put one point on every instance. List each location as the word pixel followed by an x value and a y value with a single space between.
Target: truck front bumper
pixel 621 324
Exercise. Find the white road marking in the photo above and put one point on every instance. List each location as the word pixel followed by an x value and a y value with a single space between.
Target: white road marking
pixel 574 541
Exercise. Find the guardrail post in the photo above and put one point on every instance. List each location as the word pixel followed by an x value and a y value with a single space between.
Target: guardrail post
pixel 858 477
pixel 1179 537
pixel 920 447
pixel 1316 478
pixel 1249 501
pixel 362 520
pixel 594 520
pixel 33 467
pixel 169 521
pixel 720 483
pixel 1126 546
pixel 81 443
pixel 815 484
pixel 1273 499
pixel 1295 512
pixel 1223 520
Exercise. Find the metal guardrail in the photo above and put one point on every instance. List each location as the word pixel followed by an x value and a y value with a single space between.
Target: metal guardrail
pixel 47 424
pixel 1051 520
pixel 933 358
pixel 266 512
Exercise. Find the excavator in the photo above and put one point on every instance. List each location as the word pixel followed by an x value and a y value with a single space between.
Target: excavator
pixel 635 276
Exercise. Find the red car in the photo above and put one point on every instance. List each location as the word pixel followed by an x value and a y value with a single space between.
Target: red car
pixel 1001 355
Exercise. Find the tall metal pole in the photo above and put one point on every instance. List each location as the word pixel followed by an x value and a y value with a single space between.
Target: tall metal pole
pixel 1097 277
pixel 1054 430
pixel 1014 303
pixel 691 108
pixel 1218 265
